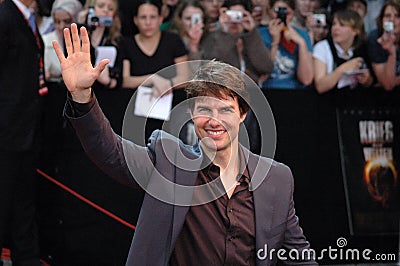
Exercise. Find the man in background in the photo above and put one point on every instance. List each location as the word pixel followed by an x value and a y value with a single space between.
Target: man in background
pixel 22 86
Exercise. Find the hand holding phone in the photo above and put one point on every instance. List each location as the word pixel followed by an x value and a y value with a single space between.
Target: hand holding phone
pixel 196 19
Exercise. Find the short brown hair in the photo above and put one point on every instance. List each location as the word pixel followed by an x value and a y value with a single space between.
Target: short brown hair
pixel 219 80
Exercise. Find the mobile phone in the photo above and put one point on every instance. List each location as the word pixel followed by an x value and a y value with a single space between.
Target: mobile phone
pixel 235 15
pixel 320 19
pixel 195 19
pixel 388 26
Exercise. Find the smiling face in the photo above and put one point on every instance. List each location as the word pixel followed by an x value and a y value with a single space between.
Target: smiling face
pixel 148 20
pixel 217 121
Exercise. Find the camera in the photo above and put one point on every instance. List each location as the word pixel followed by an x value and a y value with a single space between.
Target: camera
pixel 363 65
pixel 320 19
pixel 94 21
pixel 282 13
pixel 196 19
pixel 235 15
pixel 388 26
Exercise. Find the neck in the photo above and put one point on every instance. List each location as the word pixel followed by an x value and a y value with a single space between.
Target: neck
pixel 227 158
pixel 346 46
pixel 27 3
pixel 144 39
pixel 265 17
pixel 97 35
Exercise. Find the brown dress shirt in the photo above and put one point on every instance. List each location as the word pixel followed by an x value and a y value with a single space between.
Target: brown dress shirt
pixel 221 232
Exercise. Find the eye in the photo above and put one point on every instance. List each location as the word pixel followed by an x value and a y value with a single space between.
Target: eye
pixel 227 110
pixel 203 110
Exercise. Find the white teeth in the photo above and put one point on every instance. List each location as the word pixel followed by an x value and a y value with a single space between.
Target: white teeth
pixel 215 132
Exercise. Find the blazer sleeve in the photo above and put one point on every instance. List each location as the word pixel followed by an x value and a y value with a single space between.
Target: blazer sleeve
pixel 121 159
pixel 294 236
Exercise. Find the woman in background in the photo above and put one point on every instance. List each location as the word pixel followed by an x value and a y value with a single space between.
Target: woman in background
pixel 338 59
pixel 188 23
pixel 290 49
pixel 104 30
pixel 383 45
pixel 150 51
pixel 64 12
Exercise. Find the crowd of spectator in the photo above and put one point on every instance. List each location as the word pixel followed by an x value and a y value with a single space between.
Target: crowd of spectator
pixel 280 44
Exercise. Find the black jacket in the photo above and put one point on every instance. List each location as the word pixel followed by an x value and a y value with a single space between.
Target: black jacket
pixel 20 102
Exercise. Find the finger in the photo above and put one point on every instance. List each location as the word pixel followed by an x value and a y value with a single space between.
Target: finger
pixel 156 92
pixel 76 43
pixel 59 52
pixel 85 40
pixel 68 43
pixel 101 66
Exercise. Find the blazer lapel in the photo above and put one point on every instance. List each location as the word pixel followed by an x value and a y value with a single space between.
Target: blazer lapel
pixel 21 22
pixel 185 178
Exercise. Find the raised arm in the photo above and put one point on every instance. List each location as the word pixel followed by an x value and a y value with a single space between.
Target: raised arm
pixel 107 150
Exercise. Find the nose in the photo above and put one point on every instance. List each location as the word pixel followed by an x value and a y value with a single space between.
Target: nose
pixel 104 11
pixel 214 120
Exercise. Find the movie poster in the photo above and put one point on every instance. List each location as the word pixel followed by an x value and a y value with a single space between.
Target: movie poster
pixel 370 153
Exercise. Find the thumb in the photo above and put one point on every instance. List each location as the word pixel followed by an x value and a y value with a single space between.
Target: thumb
pixel 102 65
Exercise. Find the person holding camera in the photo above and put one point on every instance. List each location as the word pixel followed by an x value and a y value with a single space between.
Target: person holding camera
pixel 383 45
pixel 290 49
pixel 238 42
pixel 341 60
pixel 188 23
pixel 261 12
pixel 303 17
pixel 102 20
pixel 212 8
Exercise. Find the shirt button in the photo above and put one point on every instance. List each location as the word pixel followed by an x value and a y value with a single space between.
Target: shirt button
pixel 231 210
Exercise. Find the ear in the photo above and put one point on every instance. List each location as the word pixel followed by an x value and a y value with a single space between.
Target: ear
pixel 135 20
pixel 243 117
pixel 357 32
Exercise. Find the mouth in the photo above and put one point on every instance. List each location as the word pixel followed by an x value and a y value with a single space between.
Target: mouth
pixel 215 133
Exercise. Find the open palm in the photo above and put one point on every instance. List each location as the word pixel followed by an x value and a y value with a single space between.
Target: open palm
pixel 77 70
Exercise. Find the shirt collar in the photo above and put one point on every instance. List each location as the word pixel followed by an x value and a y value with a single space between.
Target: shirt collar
pixel 24 10
pixel 213 170
pixel 340 52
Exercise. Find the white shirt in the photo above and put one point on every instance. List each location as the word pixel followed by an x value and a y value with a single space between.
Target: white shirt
pixel 25 10
pixel 323 53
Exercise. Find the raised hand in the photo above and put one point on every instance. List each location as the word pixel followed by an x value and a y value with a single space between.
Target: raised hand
pixel 77 70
